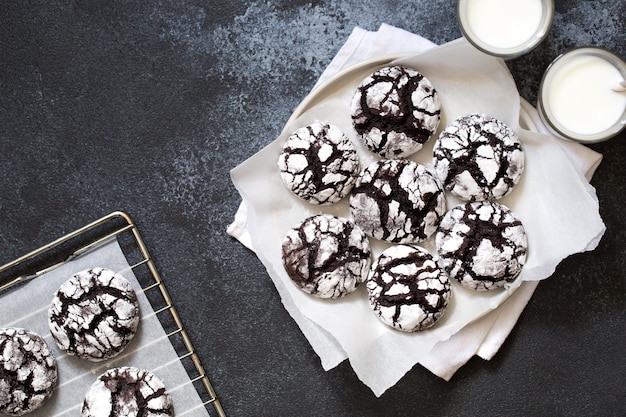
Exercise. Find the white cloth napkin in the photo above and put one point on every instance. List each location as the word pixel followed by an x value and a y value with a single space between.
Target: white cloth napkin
pixel 482 337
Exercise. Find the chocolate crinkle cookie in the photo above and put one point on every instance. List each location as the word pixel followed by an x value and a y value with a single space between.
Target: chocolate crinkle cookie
pixel 395 110
pixel 326 256
pixel 482 245
pixel 28 371
pixel 127 392
pixel 94 314
pixel 319 163
pixel 478 158
pixel 407 289
pixel 397 200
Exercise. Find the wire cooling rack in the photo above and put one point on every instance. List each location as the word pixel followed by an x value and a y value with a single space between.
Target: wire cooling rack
pixel 119 225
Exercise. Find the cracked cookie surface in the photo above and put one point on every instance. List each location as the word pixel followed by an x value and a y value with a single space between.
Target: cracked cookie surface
pixel 319 164
pixel 28 371
pixel 406 288
pixel 395 110
pixel 478 158
pixel 326 256
pixel 127 392
pixel 397 200
pixel 94 314
pixel 482 245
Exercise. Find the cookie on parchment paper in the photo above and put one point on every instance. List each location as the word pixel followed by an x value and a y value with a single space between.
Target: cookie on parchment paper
pixel 127 392
pixel 478 158
pixel 406 288
pixel 395 111
pixel 482 245
pixel 28 371
pixel 319 163
pixel 398 201
pixel 94 314
pixel 326 256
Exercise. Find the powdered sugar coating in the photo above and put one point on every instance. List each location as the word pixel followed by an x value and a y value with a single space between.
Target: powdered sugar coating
pixel 397 200
pixel 127 392
pixel 326 256
pixel 319 163
pixel 478 158
pixel 406 288
pixel 28 371
pixel 482 245
pixel 94 314
pixel 395 110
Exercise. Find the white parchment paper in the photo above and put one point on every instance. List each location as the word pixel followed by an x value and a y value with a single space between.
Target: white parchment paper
pixel 556 204
pixel 27 307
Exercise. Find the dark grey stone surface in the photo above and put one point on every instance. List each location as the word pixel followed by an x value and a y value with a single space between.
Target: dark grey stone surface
pixel 145 106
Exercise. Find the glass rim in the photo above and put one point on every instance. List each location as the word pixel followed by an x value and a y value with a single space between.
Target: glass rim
pixel 546 115
pixel 513 52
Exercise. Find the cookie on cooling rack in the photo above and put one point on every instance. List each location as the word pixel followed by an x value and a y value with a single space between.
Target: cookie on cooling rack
pixel 478 157
pixel 397 200
pixel 28 371
pixel 127 391
pixel 326 256
pixel 319 163
pixel 395 110
pixel 94 314
pixel 406 288
pixel 482 245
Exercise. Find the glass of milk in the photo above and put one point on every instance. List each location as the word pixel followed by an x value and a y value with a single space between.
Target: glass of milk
pixel 505 28
pixel 582 95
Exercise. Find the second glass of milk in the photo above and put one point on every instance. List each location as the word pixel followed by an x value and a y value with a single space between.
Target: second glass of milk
pixel 581 95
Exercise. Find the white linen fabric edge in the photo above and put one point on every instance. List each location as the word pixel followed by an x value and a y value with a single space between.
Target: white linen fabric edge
pixel 483 337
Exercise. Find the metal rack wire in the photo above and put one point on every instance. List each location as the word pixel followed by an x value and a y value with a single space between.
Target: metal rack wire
pixel 120 226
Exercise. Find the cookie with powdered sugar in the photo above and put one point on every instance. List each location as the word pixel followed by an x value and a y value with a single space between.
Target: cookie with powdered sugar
pixel 398 201
pixel 127 392
pixel 482 245
pixel 319 163
pixel 406 288
pixel 94 314
pixel 326 256
pixel 28 371
pixel 478 158
pixel 395 111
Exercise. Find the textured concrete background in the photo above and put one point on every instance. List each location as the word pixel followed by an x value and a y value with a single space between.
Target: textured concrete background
pixel 144 107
